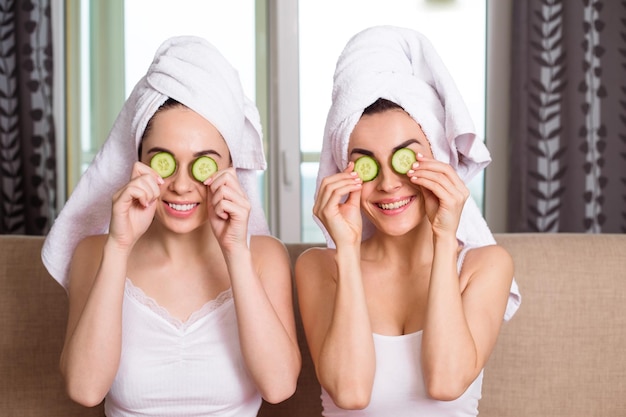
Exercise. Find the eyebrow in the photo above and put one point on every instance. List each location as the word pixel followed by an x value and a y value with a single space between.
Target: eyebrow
pixel 196 154
pixel 361 151
pixel 400 146
pixel 207 152
pixel 406 143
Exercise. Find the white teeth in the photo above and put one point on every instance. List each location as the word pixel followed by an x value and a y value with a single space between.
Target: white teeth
pixel 395 205
pixel 181 207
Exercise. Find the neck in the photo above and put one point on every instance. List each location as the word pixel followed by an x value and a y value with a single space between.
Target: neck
pixel 200 242
pixel 413 246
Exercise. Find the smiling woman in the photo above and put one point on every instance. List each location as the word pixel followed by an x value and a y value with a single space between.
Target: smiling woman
pixel 412 287
pixel 156 267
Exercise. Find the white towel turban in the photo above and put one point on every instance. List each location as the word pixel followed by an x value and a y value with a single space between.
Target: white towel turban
pixel 401 65
pixel 193 72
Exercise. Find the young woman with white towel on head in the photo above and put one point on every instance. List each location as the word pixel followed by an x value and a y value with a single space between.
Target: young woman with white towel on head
pixel 403 308
pixel 180 303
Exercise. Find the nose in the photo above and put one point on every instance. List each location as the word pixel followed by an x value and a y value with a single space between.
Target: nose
pixel 181 181
pixel 388 179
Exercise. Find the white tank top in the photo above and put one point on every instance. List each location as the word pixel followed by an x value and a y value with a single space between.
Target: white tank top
pixel 399 389
pixel 173 368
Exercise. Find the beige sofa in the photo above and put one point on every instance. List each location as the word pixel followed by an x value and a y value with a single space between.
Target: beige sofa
pixel 563 354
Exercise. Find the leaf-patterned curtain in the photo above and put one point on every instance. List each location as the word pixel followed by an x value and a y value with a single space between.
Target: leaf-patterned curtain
pixel 27 149
pixel 568 120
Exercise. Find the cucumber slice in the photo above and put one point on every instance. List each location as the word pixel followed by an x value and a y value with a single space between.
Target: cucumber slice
pixel 163 163
pixel 203 168
pixel 402 160
pixel 366 168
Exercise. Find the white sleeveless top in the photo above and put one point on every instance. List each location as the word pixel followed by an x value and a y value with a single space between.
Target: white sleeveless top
pixel 399 389
pixel 173 368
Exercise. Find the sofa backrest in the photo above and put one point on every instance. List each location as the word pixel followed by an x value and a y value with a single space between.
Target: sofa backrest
pixel 33 314
pixel 563 354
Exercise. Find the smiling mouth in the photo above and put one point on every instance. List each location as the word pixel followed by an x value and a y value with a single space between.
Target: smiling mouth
pixel 182 207
pixel 394 205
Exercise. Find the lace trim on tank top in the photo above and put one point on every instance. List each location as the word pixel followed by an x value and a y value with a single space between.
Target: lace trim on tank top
pixel 208 307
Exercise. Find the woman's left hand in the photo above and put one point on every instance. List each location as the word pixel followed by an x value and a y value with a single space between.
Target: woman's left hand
pixel 444 193
pixel 228 209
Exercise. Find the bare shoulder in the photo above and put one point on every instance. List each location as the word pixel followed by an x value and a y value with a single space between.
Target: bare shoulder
pixel 266 245
pixel 315 253
pixel 89 250
pixel 316 261
pixel 93 242
pixel 268 253
pixel 86 260
pixel 489 261
pixel 494 255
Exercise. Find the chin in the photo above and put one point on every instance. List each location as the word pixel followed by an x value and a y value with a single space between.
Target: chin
pixel 182 227
pixel 396 229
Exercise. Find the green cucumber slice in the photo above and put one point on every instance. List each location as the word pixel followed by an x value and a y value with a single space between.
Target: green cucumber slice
pixel 203 168
pixel 402 160
pixel 163 163
pixel 366 168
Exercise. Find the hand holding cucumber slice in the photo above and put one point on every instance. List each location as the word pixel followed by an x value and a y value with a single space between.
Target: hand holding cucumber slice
pixel 163 163
pixel 203 168
pixel 366 168
pixel 402 160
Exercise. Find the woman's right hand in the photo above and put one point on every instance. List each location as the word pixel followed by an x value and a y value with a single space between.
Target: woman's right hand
pixel 342 220
pixel 134 205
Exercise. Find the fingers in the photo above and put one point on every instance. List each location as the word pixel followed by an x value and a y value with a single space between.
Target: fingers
pixel 227 203
pixel 133 206
pixel 226 197
pixel 439 178
pixel 140 169
pixel 335 188
pixel 227 177
pixel 143 187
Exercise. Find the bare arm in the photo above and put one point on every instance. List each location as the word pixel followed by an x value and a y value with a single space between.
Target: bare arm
pixel 332 297
pixel 261 282
pixel 92 348
pixel 461 328
pixel 463 314
pixel 260 277
pixel 336 321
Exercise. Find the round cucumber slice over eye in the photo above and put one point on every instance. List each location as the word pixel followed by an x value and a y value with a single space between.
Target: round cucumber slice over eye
pixel 366 168
pixel 402 160
pixel 163 163
pixel 203 168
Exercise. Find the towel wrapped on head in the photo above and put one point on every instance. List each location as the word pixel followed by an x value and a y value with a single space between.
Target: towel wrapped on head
pixel 193 72
pixel 401 65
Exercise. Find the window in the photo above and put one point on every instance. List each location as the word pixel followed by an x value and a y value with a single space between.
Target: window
pixel 229 25
pixel 286 63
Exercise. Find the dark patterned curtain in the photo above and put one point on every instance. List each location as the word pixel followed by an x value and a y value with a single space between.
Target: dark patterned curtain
pixel 27 150
pixel 568 120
